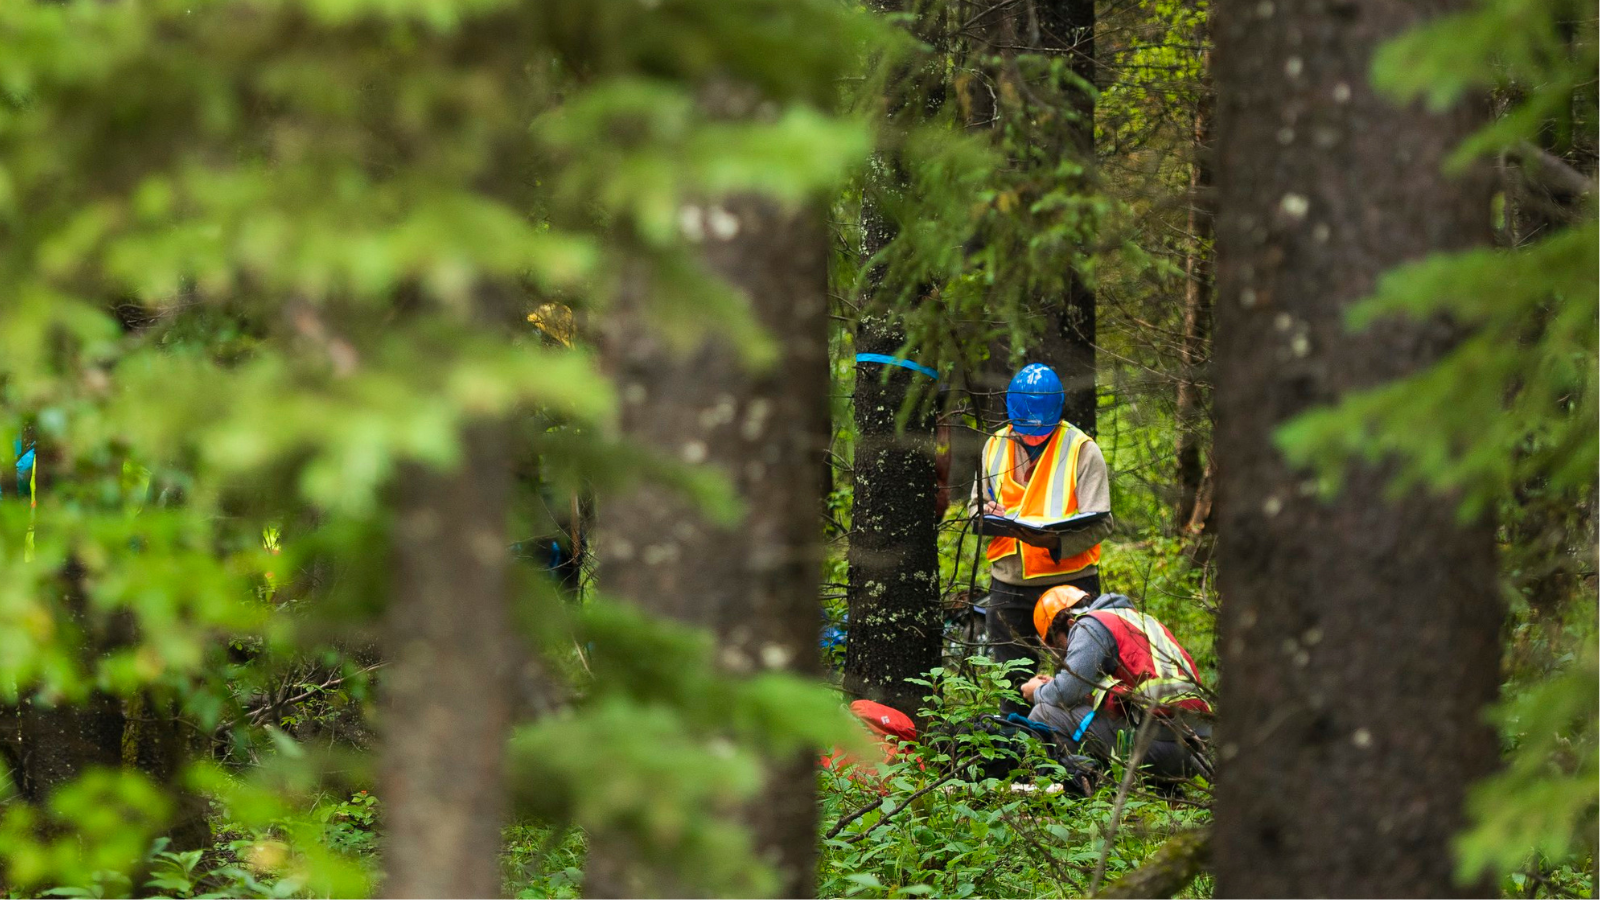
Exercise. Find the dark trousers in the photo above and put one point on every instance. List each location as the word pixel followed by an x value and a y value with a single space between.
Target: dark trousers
pixel 1171 755
pixel 1011 632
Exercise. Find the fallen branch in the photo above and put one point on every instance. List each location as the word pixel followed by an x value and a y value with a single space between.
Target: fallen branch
pixel 1551 171
pixel 846 820
pixel 1179 861
pixel 259 715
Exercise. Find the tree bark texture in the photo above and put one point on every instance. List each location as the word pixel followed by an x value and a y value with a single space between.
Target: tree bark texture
pixel 447 688
pixel 1359 634
pixel 1068 345
pixel 1050 117
pixel 45 747
pixel 895 619
pixel 755 584
pixel 1171 869
pixel 1192 407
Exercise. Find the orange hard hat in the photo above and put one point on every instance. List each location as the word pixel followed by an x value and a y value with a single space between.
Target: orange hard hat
pixel 1052 602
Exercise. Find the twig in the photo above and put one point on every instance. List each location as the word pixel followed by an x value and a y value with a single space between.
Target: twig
pixel 259 715
pixel 1061 876
pixel 955 767
pixel 846 820
pixel 866 831
pixel 1141 743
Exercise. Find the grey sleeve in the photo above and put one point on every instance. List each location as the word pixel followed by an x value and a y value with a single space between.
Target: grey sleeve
pixel 1091 654
pixel 1094 495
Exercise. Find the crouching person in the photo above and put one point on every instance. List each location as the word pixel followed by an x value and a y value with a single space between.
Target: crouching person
pixel 1118 665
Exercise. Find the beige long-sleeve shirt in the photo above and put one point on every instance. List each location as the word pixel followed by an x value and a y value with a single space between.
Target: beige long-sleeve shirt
pixel 1094 495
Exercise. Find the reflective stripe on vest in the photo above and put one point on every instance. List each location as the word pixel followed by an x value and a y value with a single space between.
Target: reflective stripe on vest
pixel 1050 495
pixel 1161 671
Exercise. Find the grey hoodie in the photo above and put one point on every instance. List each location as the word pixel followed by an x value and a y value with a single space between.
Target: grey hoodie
pixel 1091 655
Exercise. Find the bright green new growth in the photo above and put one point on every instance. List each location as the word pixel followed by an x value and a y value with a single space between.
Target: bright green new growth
pixel 273 251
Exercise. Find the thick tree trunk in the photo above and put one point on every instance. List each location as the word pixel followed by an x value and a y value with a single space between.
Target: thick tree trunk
pixel 1358 635
pixel 447 689
pixel 1052 115
pixel 754 584
pixel 1192 409
pixel 158 742
pixel 46 746
pixel 895 619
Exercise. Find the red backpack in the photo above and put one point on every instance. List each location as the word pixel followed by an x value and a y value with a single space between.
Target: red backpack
pixel 891 726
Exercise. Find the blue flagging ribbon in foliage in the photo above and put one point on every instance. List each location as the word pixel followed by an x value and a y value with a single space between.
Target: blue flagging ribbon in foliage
pixel 896 361
pixel 24 470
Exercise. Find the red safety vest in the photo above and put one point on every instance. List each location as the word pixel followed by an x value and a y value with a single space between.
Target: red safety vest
pixel 1150 664
pixel 1050 495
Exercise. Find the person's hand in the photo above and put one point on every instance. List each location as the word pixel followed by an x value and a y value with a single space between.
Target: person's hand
pixel 993 508
pixel 1033 685
pixel 1050 542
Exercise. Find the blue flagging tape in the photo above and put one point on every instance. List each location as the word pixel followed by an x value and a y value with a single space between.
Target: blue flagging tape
pixel 896 361
pixel 1083 726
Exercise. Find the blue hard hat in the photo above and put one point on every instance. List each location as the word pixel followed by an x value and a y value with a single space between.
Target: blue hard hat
pixel 1034 400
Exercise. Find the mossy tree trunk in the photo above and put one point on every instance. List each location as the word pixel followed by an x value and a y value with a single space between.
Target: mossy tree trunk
pixel 895 620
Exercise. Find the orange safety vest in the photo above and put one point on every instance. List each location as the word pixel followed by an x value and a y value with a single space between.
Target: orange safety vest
pixel 1050 495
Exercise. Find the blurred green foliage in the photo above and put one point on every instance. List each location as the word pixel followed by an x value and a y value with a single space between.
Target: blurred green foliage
pixel 271 251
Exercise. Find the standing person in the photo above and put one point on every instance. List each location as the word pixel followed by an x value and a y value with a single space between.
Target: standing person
pixel 1042 466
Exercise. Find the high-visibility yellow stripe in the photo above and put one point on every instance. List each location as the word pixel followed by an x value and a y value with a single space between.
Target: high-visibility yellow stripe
pixel 1050 495
pixel 1174 681
pixel 1166 654
pixel 1055 501
pixel 994 455
pixel 1059 468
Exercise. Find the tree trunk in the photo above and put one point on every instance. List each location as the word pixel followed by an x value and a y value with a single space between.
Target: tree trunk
pixel 1068 345
pixel 755 584
pixel 46 747
pixel 447 689
pixel 1001 31
pixel 1192 409
pixel 1359 634
pixel 895 619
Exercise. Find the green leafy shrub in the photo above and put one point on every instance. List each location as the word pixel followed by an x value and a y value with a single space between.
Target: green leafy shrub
pixel 928 832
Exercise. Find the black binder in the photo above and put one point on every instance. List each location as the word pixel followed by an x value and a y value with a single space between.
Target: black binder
pixel 1038 533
